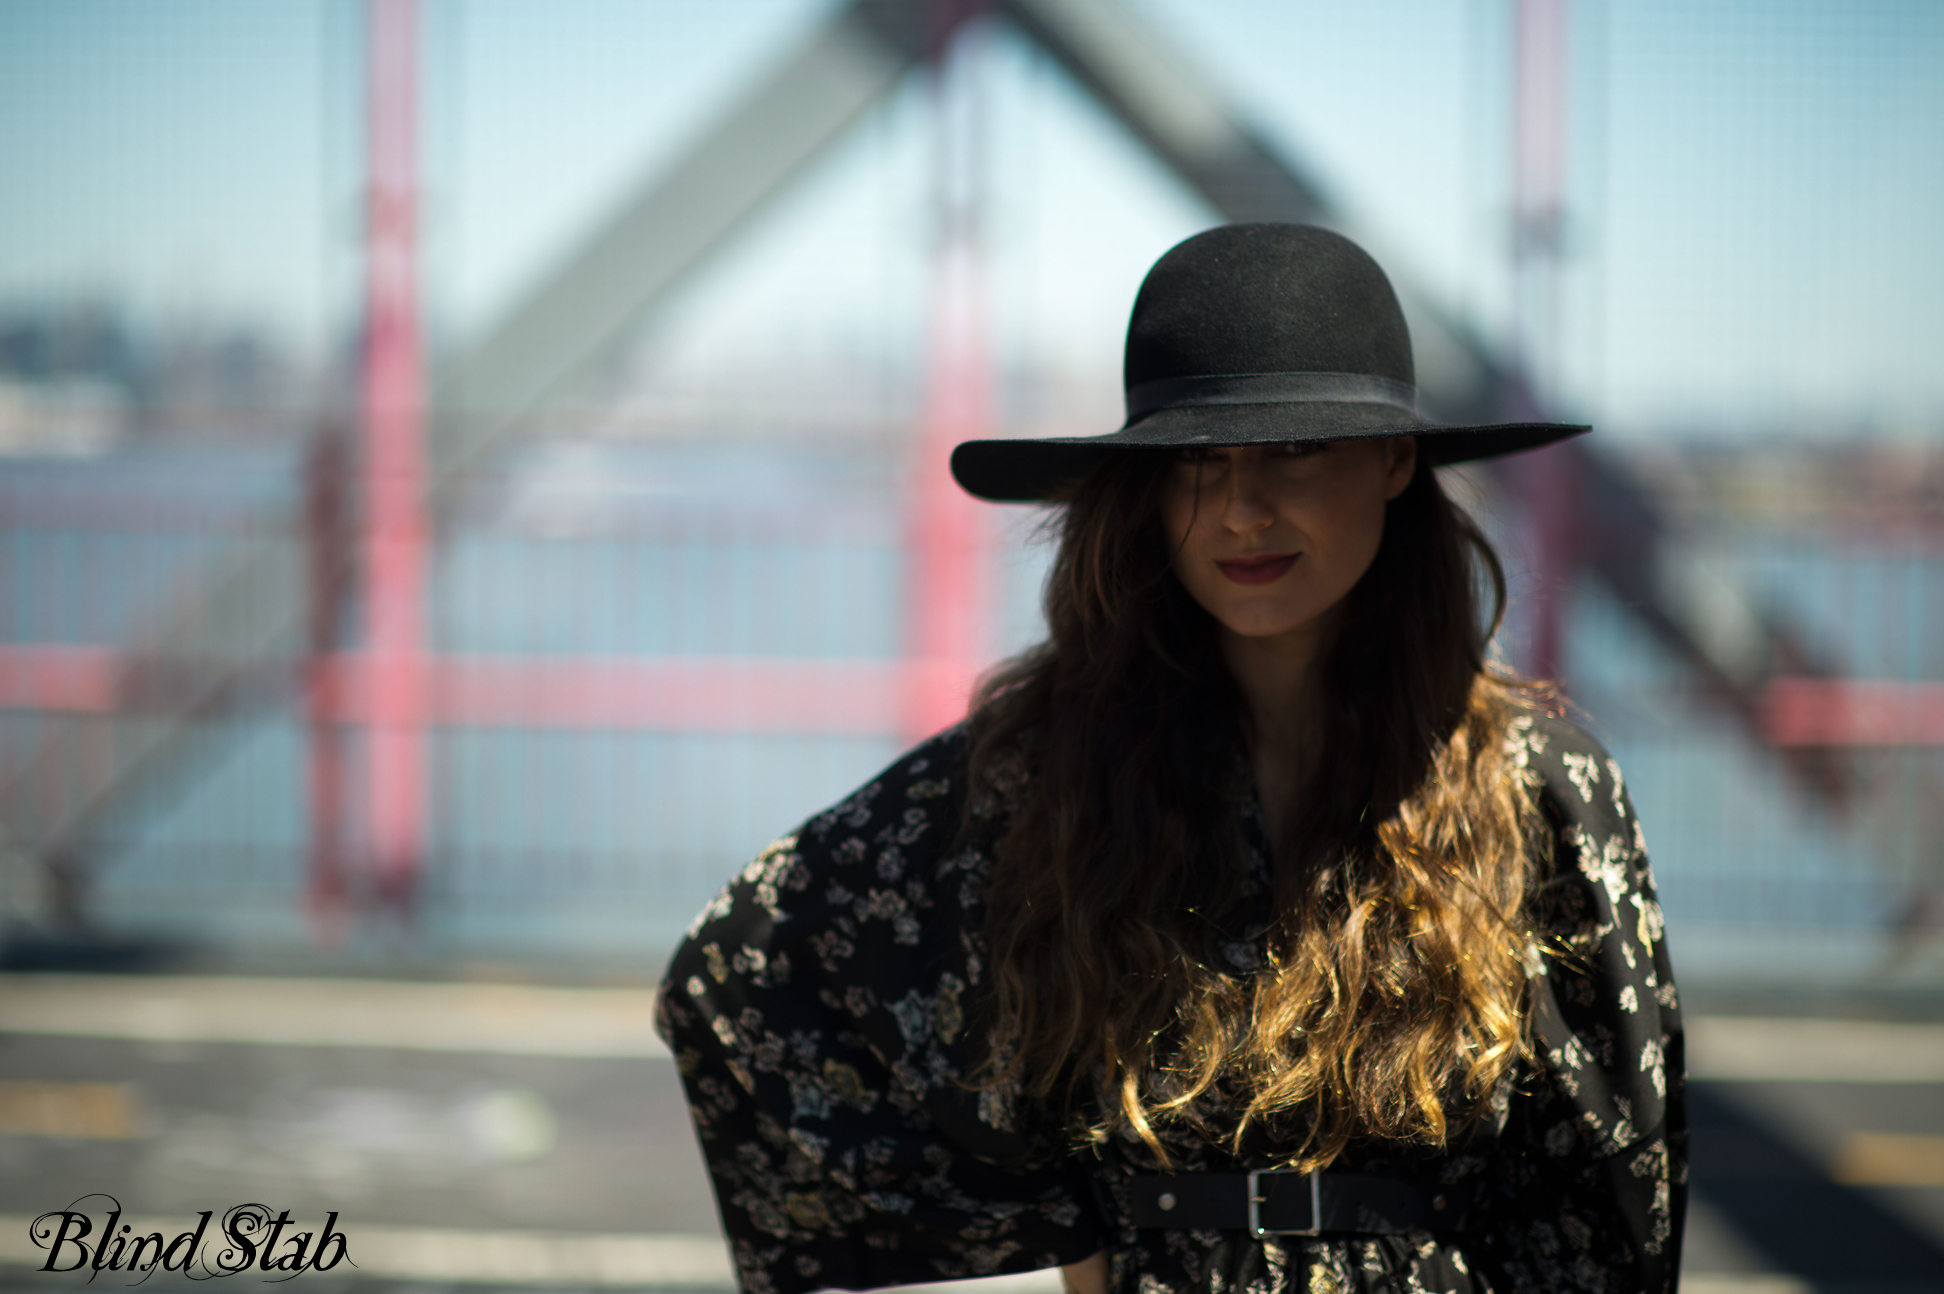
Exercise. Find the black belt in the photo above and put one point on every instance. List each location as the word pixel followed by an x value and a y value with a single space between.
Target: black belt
pixel 1275 1202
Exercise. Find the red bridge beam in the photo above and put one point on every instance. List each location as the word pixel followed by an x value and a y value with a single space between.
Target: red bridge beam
pixel 1853 712
pixel 766 695
pixel 669 694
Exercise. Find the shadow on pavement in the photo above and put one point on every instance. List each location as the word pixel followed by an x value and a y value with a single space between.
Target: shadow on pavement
pixel 1785 1206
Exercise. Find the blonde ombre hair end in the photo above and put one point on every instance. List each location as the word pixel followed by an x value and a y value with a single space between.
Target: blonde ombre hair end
pixel 1390 998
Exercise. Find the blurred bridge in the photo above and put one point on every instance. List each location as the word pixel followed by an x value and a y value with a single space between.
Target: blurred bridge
pixel 120 728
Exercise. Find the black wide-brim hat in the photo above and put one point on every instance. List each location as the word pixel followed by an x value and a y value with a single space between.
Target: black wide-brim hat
pixel 1258 334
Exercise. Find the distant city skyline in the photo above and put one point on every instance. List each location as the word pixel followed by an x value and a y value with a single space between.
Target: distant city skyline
pixel 1751 202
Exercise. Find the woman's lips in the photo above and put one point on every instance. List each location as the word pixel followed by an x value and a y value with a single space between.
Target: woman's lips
pixel 1258 570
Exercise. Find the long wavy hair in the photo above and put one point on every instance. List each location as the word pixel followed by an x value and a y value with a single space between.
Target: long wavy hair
pixel 1390 999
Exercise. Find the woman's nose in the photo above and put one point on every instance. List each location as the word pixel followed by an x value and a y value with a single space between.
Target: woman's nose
pixel 1246 505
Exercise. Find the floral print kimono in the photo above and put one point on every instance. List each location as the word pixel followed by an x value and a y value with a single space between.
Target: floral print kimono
pixel 822 1012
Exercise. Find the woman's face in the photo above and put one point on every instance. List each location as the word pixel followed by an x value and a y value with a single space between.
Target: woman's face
pixel 1269 538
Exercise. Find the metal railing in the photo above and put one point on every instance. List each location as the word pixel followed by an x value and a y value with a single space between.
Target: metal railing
pixel 642 672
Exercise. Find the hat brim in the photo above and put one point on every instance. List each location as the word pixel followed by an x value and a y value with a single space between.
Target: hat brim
pixel 1034 471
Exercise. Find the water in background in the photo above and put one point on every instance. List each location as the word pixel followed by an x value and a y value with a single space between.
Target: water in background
pixel 581 843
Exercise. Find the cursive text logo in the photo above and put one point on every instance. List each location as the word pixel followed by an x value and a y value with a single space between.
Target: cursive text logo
pixel 247 1239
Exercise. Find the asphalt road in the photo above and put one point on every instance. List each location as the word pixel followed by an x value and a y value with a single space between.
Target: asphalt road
pixel 574 1144
pixel 437 1144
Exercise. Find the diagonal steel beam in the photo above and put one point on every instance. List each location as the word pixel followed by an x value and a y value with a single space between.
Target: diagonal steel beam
pixel 235 622
pixel 1175 111
pixel 675 221
pixel 1178 115
pixel 200 657
pixel 245 614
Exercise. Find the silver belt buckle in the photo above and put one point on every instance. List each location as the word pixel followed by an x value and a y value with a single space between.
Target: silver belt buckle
pixel 1257 1199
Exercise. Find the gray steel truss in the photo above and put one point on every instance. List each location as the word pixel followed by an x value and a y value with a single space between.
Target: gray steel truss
pixel 232 637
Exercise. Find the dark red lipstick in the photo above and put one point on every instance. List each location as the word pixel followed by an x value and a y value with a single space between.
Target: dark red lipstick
pixel 1264 568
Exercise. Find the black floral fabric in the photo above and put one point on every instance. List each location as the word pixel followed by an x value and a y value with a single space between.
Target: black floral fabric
pixel 823 1013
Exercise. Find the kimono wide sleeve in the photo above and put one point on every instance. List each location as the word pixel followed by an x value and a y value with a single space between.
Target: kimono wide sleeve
pixel 1592 1188
pixel 818 1015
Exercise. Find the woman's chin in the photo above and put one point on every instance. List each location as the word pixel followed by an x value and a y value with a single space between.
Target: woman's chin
pixel 1259 625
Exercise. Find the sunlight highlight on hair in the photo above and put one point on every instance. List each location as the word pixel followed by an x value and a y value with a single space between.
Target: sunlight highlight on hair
pixel 1390 998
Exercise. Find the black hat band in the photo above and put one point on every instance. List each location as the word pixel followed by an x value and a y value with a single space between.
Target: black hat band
pixel 1268 388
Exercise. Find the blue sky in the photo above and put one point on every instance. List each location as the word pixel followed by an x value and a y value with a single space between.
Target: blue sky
pixel 1754 182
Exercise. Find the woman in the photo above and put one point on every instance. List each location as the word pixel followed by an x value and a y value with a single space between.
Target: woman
pixel 1251 933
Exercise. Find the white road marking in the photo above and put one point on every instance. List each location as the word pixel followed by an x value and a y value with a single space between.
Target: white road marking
pixel 1040 1282
pixel 1771 1049
pixel 513 1019
pixel 516 1019
pixel 1739 1283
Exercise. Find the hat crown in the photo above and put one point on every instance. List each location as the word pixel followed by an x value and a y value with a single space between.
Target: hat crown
pixel 1266 298
pixel 1260 334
